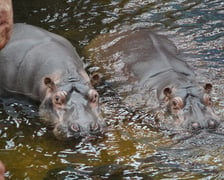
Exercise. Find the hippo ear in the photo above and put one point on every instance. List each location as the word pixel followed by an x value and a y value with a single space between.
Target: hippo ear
pixel 208 87
pixel 49 83
pixel 95 79
pixel 167 93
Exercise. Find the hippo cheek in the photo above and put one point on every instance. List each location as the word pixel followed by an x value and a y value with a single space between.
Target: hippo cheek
pixel 179 119
pixel 48 116
pixel 98 125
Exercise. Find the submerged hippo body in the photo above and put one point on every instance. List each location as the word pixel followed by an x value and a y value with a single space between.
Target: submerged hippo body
pixel 151 61
pixel 46 68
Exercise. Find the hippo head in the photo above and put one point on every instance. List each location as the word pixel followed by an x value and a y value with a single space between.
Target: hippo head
pixel 73 112
pixel 191 106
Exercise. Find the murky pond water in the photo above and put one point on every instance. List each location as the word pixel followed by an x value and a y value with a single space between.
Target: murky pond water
pixel 133 147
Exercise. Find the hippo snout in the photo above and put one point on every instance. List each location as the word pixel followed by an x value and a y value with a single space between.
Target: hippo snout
pixel 92 129
pixel 210 123
pixel 75 130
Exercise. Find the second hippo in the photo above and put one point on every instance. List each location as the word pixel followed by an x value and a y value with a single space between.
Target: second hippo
pixel 45 67
pixel 143 60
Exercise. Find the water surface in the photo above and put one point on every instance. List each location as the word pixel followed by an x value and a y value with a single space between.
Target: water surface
pixel 132 148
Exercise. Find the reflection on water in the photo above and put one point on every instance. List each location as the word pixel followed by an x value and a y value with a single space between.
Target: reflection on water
pixel 132 148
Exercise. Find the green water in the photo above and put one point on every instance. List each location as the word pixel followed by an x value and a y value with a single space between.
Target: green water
pixel 132 148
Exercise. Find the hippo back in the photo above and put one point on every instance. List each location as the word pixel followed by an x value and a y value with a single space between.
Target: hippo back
pixel 33 53
pixel 140 54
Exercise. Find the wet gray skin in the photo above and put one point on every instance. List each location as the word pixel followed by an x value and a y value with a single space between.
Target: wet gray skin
pixel 151 60
pixel 46 68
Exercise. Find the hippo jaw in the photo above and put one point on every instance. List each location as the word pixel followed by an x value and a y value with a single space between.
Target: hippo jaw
pixel 191 107
pixel 72 114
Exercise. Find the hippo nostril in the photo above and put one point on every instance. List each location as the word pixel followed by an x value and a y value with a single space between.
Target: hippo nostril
pixel 75 128
pixel 94 127
pixel 195 125
pixel 211 124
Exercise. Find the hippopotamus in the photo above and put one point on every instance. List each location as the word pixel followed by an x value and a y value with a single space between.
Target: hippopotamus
pixel 45 67
pixel 151 62
pixel 6 21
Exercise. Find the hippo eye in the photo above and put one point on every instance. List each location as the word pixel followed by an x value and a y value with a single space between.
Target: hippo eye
pixel 59 98
pixel 174 102
pixel 207 100
pixel 177 103
pixel 96 96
